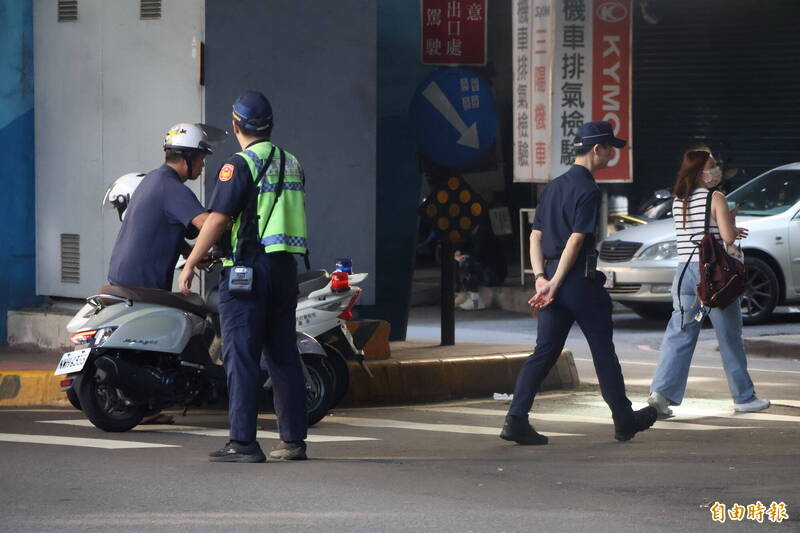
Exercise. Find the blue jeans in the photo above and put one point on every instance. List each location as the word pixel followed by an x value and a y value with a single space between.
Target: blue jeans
pixel 678 345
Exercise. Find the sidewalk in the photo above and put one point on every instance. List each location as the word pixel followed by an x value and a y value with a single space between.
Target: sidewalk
pixel 418 371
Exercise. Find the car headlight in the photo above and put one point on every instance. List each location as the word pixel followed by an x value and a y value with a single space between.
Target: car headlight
pixel 659 252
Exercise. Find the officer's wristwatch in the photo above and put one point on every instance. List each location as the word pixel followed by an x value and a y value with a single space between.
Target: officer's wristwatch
pixel 539 275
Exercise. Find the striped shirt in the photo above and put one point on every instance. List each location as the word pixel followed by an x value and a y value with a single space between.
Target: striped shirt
pixel 688 236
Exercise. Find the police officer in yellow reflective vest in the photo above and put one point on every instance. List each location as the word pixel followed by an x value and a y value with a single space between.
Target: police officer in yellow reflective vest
pixel 262 189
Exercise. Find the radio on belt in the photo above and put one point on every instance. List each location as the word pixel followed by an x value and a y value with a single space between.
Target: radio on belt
pixel 240 282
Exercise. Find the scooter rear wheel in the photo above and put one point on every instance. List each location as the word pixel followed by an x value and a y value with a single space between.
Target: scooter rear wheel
pixel 104 407
pixel 72 396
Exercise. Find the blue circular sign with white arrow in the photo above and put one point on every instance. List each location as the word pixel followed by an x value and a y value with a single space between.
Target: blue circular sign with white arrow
pixel 453 116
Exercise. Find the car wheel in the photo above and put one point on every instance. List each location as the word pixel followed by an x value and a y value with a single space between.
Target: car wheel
pixel 652 311
pixel 761 294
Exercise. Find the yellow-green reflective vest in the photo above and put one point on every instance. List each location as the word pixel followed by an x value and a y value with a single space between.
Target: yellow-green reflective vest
pixel 286 230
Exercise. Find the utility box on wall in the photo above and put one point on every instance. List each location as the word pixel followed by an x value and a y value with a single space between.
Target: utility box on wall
pixel 111 78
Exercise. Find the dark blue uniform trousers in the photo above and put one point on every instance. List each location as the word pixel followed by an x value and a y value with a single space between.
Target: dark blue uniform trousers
pixel 266 318
pixel 586 302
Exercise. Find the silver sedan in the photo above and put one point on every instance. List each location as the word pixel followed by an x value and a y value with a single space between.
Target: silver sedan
pixel 639 263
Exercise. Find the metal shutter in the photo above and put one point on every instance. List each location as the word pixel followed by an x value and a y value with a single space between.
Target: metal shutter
pixel 721 72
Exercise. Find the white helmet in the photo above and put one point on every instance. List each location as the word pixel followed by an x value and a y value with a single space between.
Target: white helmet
pixel 119 193
pixel 185 137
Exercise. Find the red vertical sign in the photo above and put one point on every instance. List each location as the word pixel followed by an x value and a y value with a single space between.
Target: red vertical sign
pixel 453 32
pixel 611 79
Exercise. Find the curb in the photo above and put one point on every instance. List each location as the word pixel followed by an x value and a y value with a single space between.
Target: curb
pixel 772 349
pixel 395 382
pixel 433 380
pixel 31 388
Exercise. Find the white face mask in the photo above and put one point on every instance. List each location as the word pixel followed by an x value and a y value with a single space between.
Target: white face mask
pixel 712 177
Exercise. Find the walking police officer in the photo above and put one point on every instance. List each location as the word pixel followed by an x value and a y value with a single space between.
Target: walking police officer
pixel 569 289
pixel 262 189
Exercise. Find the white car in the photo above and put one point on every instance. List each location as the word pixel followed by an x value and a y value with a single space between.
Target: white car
pixel 640 262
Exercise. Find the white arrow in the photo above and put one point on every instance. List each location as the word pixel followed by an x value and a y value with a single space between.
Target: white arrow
pixel 437 98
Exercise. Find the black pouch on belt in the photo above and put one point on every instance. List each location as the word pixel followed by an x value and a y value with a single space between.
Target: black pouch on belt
pixel 240 281
pixel 590 270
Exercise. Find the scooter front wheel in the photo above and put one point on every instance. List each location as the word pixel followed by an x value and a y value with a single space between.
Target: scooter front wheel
pixel 341 374
pixel 105 406
pixel 319 388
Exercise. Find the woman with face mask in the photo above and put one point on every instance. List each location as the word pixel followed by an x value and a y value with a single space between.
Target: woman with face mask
pixel 699 173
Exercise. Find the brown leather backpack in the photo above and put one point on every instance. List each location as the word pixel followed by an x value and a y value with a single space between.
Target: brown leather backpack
pixel 722 277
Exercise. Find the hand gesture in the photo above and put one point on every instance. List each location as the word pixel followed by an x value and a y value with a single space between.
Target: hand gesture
pixel 545 293
pixel 185 280
pixel 741 233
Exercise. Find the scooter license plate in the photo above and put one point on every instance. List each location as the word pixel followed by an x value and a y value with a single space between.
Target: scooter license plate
pixel 610 279
pixel 72 362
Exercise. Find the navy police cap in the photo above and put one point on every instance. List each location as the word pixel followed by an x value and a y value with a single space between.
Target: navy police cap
pixel 252 111
pixel 599 132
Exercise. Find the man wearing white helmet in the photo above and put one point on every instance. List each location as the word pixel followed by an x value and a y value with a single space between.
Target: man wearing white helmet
pixel 161 214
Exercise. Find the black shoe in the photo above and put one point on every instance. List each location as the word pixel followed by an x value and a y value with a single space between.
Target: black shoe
pixel 519 430
pixel 289 451
pixel 234 452
pixel 642 419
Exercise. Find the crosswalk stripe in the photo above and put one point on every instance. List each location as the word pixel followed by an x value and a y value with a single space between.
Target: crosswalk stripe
pixel 206 432
pixel 661 424
pixel 704 367
pixel 689 412
pixel 787 403
pixel 402 424
pixel 107 444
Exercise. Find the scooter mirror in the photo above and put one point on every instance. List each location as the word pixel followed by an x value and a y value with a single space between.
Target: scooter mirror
pixel 662 194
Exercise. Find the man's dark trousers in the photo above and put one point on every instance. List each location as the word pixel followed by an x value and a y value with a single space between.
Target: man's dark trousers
pixel 586 302
pixel 266 318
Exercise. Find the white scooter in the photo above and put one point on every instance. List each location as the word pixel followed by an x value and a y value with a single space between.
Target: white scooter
pixel 143 350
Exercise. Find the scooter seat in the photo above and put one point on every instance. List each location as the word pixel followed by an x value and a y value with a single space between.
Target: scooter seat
pixel 191 303
pixel 308 282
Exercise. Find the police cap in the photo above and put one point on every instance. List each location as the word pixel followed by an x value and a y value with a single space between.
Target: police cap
pixel 599 132
pixel 252 111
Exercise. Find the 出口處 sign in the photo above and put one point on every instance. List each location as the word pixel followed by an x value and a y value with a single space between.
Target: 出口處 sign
pixel 453 32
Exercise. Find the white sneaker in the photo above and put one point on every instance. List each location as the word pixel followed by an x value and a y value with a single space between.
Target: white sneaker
pixel 752 406
pixel 460 298
pixel 473 302
pixel 660 403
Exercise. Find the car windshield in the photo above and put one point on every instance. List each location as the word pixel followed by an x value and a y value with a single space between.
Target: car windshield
pixel 771 194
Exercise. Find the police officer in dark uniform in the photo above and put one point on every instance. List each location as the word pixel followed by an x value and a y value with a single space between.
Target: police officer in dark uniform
pixel 261 189
pixel 569 289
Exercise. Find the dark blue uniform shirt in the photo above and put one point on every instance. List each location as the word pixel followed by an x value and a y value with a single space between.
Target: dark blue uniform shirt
pixel 233 187
pixel 157 220
pixel 569 204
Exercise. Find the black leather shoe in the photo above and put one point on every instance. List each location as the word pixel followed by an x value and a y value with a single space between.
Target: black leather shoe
pixel 234 452
pixel 519 430
pixel 642 419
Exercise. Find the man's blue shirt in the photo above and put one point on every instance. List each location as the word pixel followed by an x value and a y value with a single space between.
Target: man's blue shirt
pixel 569 204
pixel 158 218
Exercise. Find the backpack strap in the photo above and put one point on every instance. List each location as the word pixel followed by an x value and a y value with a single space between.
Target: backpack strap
pixel 251 209
pixel 707 224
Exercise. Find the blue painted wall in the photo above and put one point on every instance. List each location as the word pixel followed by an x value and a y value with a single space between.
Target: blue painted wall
pixel 398 177
pixel 17 232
